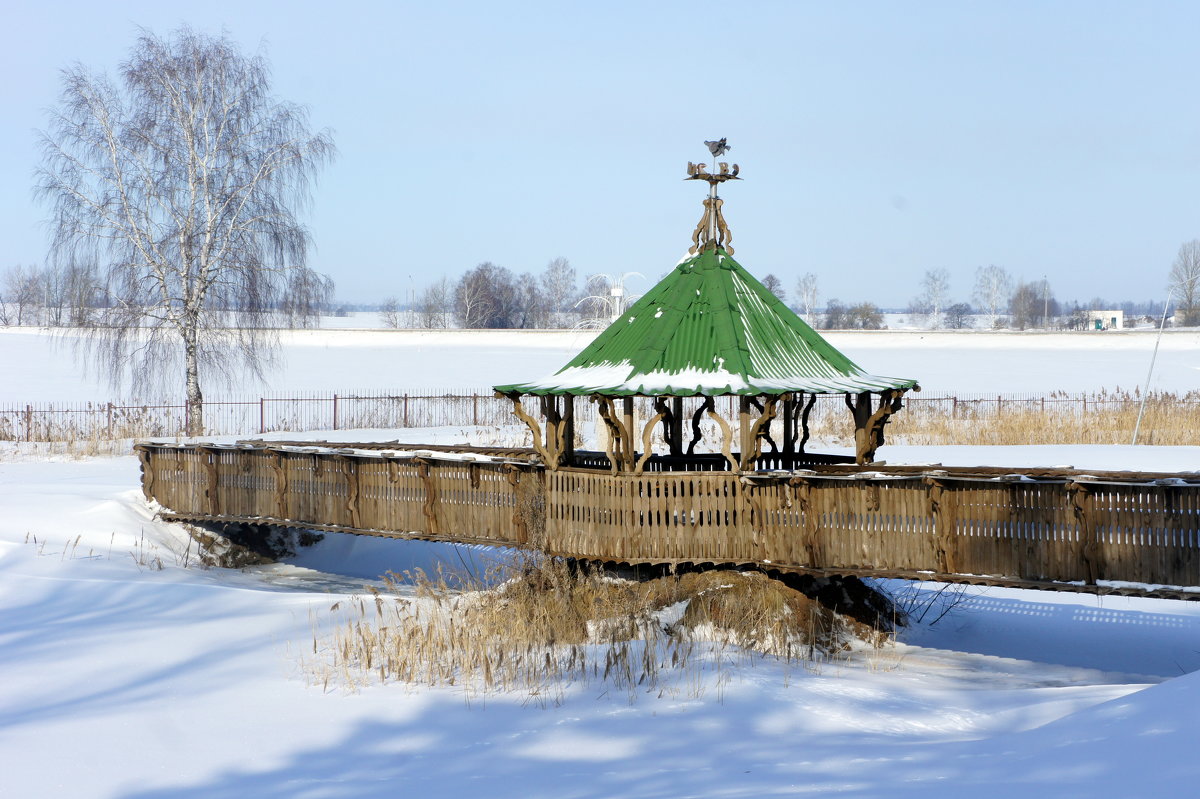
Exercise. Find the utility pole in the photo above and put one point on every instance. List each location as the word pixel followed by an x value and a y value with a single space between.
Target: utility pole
pixel 1045 301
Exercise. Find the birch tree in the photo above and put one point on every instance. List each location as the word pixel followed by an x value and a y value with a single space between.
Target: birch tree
pixel 935 288
pixel 993 287
pixel 1184 283
pixel 807 294
pixel 559 285
pixel 182 182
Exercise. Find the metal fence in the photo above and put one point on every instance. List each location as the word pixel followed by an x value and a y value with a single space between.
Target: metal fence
pixel 351 410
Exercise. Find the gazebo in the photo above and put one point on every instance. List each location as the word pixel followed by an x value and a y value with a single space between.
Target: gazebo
pixel 709 329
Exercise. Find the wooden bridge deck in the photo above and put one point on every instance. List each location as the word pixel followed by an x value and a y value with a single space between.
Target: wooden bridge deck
pixel 1099 532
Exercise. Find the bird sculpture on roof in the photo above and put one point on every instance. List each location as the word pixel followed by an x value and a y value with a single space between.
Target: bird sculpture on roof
pixel 717 148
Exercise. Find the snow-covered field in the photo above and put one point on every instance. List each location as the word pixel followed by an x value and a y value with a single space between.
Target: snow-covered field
pixel 39 367
pixel 127 671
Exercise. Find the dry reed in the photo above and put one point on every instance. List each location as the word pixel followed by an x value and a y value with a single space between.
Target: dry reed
pixel 1102 418
pixel 550 626
pixel 1105 417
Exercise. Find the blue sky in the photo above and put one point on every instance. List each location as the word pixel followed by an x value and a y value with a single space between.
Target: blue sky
pixel 877 140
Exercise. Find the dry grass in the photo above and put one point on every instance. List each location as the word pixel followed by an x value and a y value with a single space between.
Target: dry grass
pixel 1103 418
pixel 1057 418
pixel 549 627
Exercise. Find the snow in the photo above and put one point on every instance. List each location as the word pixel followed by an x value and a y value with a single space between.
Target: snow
pixel 124 680
pixel 126 670
pixel 41 369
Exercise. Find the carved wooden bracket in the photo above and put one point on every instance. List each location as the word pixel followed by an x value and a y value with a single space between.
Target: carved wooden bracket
pixel 868 426
pixel 532 424
pixel 760 431
pixel 660 405
pixel 808 406
pixel 618 435
pixel 696 434
pixel 709 407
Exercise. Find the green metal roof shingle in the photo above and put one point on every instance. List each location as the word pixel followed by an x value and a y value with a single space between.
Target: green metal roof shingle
pixel 709 328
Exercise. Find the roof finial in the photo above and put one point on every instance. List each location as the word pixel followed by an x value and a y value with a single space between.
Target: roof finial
pixel 712 232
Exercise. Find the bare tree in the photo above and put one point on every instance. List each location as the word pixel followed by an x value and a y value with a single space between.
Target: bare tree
pixel 181 183
pixel 390 312
pixel 775 286
pixel 1184 283
pixel 532 305
pixel 1032 305
pixel 958 316
pixel 807 295
pixel 607 297
pixel 73 295
pixel 837 316
pixel 487 297
pixel 993 288
pixel 309 293
pixel 23 291
pixel 559 286
pixel 935 289
pixel 433 308
pixel 864 316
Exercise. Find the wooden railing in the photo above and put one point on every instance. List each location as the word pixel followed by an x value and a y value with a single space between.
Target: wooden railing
pixel 1041 528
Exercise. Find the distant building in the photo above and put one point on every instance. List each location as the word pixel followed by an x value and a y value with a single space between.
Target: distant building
pixel 1105 320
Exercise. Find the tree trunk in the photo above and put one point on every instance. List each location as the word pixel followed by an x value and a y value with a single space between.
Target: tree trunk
pixel 195 398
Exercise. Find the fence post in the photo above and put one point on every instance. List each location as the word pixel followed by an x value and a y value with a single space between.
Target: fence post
pixel 475 409
pixel 406 410
pixel 262 415
pixel 999 404
pixel 110 426
pixel 335 419
pixel 29 423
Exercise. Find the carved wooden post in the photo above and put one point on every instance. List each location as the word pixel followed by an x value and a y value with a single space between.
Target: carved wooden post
pixel 281 484
pixel 211 491
pixel 745 445
pixel 431 494
pixel 568 449
pixel 860 413
pixel 810 528
pixel 868 426
pixel 350 471
pixel 555 431
pixel 617 437
pixel 943 511
pixel 676 440
pixel 629 455
pixel 1080 496
pixel 148 468
pixel 789 427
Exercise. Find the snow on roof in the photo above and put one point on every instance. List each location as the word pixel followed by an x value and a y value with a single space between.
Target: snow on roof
pixel 709 328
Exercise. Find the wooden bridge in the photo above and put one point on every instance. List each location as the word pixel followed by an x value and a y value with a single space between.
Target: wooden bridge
pixel 1099 532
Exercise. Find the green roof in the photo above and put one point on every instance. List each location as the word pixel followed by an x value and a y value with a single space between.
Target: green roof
pixel 708 328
